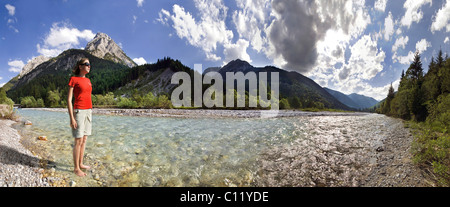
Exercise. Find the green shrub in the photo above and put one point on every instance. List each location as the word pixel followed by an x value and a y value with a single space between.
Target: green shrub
pixel 164 102
pixel 28 102
pixel 149 101
pixel 127 103
pixel 432 149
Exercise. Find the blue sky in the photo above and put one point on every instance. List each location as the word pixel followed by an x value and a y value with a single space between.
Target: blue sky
pixel 350 45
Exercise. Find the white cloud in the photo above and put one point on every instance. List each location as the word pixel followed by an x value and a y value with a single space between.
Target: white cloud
pixel 388 27
pixel 422 45
pixel 237 51
pixel 164 16
pixel 379 93
pixel 366 59
pixel 404 60
pixel 62 37
pixel 206 33
pixel 380 5
pixel 413 12
pixel 16 66
pixel 250 20
pixel 11 9
pixel 400 43
pixel 13 28
pixel 140 3
pixel 442 19
pixel 446 40
pixel 331 50
pixel 140 61
pixel 351 77
pixel 295 32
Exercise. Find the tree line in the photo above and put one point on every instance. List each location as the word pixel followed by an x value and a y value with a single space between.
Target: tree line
pixel 422 97
pixel 424 101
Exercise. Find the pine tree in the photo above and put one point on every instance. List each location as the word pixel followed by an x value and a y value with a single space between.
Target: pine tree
pixel 402 80
pixel 415 97
pixel 431 84
pixel 415 70
pixel 386 108
pixel 444 74
pixel 440 60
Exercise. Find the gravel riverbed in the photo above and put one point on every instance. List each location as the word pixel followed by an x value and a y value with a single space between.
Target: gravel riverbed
pixel 371 151
pixel 18 166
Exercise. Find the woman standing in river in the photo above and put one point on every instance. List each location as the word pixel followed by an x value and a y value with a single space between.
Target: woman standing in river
pixel 80 87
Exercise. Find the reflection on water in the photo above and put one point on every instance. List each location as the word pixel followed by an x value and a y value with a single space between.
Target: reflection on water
pixel 142 151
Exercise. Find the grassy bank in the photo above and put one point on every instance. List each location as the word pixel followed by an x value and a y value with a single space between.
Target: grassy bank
pixel 431 150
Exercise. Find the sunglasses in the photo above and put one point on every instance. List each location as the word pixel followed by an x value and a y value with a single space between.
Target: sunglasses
pixel 86 64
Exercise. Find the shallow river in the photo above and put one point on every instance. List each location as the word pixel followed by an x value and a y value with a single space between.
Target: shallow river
pixel 145 151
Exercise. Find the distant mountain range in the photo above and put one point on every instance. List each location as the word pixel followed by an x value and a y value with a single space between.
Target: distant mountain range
pixel 292 84
pixel 353 100
pixel 114 71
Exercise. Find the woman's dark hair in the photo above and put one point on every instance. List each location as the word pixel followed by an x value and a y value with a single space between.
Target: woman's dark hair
pixel 76 69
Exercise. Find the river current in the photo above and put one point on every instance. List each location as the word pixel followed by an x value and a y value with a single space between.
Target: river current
pixel 145 151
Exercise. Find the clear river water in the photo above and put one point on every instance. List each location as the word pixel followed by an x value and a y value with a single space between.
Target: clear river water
pixel 145 151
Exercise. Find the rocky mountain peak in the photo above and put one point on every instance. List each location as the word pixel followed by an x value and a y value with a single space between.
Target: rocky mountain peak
pixel 103 46
pixel 32 64
pixel 237 66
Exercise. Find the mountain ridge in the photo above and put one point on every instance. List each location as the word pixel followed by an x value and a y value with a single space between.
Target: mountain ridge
pixel 354 100
pixel 292 84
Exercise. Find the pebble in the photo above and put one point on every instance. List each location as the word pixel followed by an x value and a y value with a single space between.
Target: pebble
pixel 72 183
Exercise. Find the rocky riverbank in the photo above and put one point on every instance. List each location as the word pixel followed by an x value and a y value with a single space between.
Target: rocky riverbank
pixel 207 113
pixel 18 166
pixel 372 150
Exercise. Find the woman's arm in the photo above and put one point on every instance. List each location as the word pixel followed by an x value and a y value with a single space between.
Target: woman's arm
pixel 73 122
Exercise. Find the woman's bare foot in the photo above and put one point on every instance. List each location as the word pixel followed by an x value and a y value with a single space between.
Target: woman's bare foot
pixel 79 173
pixel 85 167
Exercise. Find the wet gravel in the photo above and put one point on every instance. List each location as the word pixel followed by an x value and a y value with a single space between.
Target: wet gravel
pixel 371 150
pixel 210 113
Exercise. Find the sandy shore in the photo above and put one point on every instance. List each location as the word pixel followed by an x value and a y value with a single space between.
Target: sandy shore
pixel 18 166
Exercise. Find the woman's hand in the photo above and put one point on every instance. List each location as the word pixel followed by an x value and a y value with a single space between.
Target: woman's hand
pixel 73 124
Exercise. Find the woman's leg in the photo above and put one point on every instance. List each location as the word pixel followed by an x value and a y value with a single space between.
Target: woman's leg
pixel 83 145
pixel 76 157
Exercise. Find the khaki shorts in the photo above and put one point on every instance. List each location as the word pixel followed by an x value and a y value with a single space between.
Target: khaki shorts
pixel 84 122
